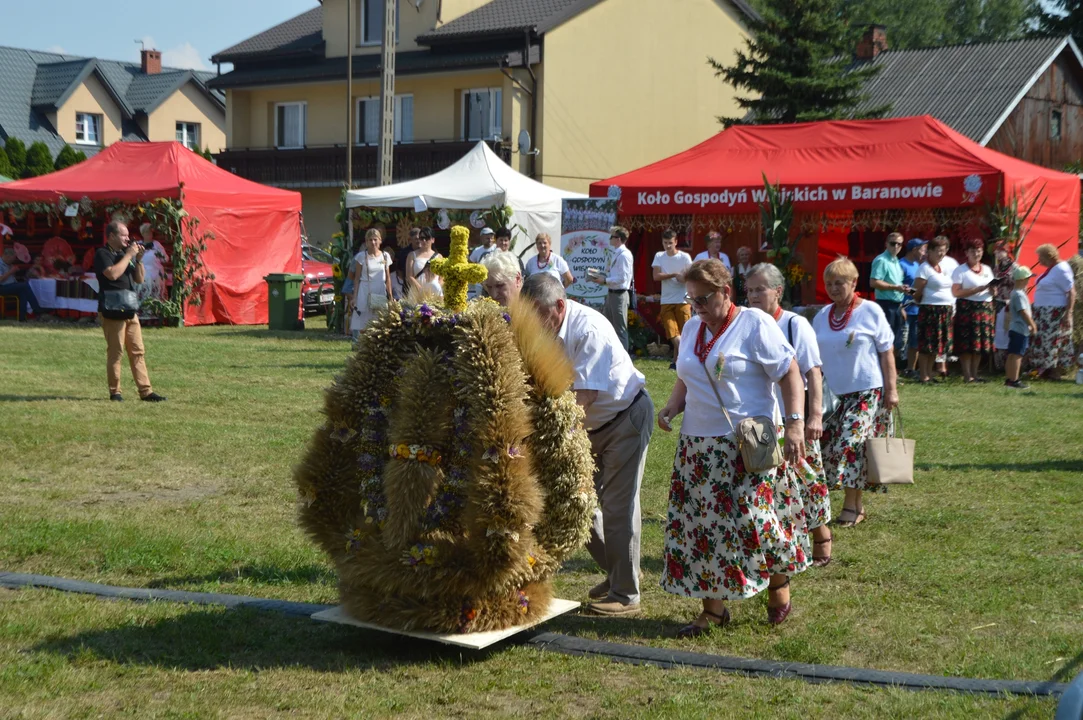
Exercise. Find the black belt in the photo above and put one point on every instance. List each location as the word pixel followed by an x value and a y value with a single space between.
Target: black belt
pixel 619 292
pixel 642 393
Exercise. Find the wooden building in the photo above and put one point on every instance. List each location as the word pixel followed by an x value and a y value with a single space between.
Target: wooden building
pixel 1023 98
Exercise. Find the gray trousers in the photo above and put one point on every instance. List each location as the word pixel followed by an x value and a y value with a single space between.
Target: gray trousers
pixel 620 451
pixel 616 312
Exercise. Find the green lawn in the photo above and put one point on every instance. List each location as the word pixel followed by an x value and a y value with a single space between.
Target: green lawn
pixel 976 571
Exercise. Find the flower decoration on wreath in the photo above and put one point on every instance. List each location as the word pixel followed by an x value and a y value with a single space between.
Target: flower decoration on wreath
pixel 452 475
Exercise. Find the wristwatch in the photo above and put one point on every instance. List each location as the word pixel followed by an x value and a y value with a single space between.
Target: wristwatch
pixel 794 417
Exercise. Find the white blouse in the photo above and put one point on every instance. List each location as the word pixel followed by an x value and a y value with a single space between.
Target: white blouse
pixel 1052 289
pixel 755 357
pixel 851 356
pixel 937 285
pixel 969 280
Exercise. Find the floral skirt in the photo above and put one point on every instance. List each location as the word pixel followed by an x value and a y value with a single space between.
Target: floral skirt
pixel 974 327
pixel 934 329
pixel 1051 346
pixel 808 477
pixel 729 530
pixel 859 416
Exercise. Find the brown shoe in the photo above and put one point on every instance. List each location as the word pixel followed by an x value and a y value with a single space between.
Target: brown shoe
pixel 613 608
pixel 692 630
pixel 599 591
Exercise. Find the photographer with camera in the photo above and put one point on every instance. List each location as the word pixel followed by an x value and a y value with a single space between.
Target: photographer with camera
pixel 119 269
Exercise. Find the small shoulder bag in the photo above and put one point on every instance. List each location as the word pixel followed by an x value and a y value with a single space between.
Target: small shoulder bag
pixel 890 460
pixel 757 437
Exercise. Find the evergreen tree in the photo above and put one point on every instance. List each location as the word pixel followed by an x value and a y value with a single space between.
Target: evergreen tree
pixel 797 66
pixel 5 165
pixel 1063 17
pixel 16 151
pixel 207 155
pixel 39 161
pixel 68 157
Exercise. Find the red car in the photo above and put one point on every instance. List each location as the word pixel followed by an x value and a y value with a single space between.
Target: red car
pixel 318 287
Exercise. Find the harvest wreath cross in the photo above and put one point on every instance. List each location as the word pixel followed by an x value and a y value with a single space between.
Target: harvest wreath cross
pixel 457 271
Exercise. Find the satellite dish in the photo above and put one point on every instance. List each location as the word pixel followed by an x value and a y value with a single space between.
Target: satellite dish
pixel 524 142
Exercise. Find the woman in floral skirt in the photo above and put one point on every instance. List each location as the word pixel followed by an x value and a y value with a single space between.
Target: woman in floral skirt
pixel 932 290
pixel 765 286
pixel 972 285
pixel 1054 299
pixel 859 366
pixel 731 533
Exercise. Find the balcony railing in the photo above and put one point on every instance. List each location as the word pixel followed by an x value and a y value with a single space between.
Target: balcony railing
pixel 325 166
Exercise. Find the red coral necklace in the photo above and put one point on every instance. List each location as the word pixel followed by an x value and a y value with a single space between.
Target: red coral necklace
pixel 837 325
pixel 777 313
pixel 703 348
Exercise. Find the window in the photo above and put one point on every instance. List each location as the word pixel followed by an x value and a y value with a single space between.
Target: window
pixel 1055 125
pixel 290 125
pixel 368 120
pixel 188 135
pixel 371 18
pixel 483 112
pixel 88 129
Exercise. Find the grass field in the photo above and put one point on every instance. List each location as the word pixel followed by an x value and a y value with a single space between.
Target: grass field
pixel 976 571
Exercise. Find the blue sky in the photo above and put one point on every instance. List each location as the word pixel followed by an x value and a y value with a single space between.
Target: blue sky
pixel 109 28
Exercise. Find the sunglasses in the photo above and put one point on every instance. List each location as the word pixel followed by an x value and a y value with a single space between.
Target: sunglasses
pixel 701 300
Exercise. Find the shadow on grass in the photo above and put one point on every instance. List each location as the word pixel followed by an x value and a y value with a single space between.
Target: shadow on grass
pixel 262 574
pixel 1043 466
pixel 249 639
pixel 314 366
pixel 310 335
pixel 42 398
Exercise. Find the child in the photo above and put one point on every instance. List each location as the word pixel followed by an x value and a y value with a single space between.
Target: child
pixel 1020 326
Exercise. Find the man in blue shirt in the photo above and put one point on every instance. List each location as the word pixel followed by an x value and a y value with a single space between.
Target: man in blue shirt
pixel 886 279
pixel 915 254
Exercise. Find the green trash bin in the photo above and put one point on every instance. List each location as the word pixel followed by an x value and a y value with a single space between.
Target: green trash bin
pixel 284 301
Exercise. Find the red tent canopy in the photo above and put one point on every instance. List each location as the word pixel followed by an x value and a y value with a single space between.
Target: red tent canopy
pixel 914 162
pixel 256 228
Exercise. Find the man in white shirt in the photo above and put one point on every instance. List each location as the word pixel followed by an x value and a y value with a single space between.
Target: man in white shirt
pixel 480 253
pixel 714 250
pixel 619 420
pixel 618 278
pixel 668 268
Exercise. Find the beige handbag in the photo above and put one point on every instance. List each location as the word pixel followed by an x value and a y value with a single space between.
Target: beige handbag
pixel 757 437
pixel 890 460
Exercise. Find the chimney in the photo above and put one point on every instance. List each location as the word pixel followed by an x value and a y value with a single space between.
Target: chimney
pixel 152 62
pixel 873 42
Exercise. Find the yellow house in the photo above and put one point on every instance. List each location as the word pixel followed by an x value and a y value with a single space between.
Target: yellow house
pixel 90 103
pixel 600 86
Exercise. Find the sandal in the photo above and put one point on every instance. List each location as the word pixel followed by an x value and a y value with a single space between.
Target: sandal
pixel 825 560
pixel 858 518
pixel 691 630
pixel 776 615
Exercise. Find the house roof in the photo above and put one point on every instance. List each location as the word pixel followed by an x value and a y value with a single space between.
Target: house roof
pixel 301 34
pixel 972 88
pixel 508 17
pixel 406 63
pixel 33 83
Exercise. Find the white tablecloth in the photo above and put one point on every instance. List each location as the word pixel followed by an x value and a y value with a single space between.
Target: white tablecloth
pixel 45 291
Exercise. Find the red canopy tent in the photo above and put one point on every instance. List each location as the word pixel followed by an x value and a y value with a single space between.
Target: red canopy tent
pixel 257 229
pixel 842 168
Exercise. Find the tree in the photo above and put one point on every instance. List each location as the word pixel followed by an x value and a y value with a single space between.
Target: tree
pixel 68 157
pixel 39 161
pixel 16 151
pixel 1066 18
pixel 207 155
pixel 797 66
pixel 5 165
pixel 933 23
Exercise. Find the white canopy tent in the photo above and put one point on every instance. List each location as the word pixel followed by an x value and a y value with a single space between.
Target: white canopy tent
pixel 478 181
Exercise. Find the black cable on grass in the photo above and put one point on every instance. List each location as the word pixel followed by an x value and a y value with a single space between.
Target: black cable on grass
pixel 582 647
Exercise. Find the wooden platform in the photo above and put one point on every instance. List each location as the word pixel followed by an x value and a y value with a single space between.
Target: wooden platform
pixel 474 641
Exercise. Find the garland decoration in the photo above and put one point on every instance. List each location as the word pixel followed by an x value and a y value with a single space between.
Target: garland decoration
pixel 452 475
